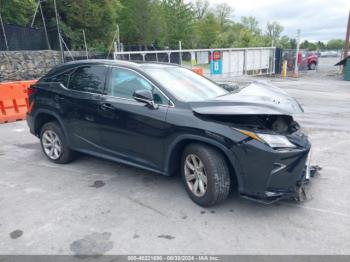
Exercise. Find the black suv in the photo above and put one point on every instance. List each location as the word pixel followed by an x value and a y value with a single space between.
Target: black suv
pixel 169 120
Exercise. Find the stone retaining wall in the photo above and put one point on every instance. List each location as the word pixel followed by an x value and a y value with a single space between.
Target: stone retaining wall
pixel 26 65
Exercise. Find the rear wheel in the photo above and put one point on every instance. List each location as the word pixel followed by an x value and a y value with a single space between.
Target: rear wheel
pixel 312 66
pixel 54 143
pixel 205 174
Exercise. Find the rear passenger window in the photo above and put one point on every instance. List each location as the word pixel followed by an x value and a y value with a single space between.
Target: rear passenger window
pixel 62 78
pixel 88 79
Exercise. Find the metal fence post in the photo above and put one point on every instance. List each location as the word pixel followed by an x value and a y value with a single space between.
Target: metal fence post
pixel 230 62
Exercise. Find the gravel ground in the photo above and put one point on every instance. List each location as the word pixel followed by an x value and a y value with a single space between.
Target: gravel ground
pixel 96 206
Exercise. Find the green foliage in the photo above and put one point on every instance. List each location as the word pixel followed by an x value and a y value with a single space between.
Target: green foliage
pixel 273 32
pixel 178 22
pixel 140 23
pixel 335 44
pixel 97 18
pixel 18 12
pixel 250 23
pixel 157 23
pixel 308 46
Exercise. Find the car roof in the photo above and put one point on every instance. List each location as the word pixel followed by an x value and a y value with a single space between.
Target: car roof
pixel 121 63
pixel 140 65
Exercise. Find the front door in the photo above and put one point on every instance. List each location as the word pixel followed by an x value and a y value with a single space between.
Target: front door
pixel 132 130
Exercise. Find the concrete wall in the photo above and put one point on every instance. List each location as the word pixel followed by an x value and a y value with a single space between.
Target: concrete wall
pixel 25 65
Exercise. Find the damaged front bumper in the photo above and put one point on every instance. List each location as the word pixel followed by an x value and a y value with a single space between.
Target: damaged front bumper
pixel 268 175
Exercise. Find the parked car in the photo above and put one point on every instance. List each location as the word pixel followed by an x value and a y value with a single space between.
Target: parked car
pixel 169 120
pixel 306 60
pixel 310 59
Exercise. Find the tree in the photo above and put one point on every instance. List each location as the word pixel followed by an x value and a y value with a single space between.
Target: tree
pixel 98 19
pixel 320 45
pixel 223 12
pixel 200 8
pixel 335 44
pixel 251 23
pixel 308 45
pixel 141 22
pixel 273 32
pixel 178 23
pixel 304 44
pixel 284 42
pixel 18 12
pixel 207 31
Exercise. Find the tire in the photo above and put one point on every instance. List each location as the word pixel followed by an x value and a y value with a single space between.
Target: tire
pixel 312 66
pixel 53 131
pixel 215 169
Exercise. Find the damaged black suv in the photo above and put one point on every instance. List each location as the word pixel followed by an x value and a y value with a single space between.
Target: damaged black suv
pixel 169 120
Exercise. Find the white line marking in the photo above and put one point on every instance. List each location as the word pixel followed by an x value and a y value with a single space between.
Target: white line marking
pixel 319 210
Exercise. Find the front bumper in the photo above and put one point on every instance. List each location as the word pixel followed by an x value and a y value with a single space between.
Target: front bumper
pixel 268 175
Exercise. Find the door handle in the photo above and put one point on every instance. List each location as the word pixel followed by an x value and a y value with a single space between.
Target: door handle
pixel 106 107
pixel 58 97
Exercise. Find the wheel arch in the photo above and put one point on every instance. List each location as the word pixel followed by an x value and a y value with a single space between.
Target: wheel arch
pixel 45 116
pixel 174 152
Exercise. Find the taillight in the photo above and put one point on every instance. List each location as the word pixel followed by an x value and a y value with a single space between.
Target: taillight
pixel 30 90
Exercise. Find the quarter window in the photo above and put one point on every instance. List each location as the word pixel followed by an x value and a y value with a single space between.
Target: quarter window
pixel 88 79
pixel 123 83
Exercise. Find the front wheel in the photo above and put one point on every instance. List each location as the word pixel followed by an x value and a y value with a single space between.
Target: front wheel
pixel 205 174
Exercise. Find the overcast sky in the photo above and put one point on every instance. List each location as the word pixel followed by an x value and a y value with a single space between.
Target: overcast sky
pixel 317 19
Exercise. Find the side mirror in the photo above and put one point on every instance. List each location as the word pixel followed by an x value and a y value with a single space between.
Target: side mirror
pixel 145 96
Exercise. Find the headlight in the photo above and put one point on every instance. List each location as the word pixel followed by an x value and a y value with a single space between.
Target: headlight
pixel 274 141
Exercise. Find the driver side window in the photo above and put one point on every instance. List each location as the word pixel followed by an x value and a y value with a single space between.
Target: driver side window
pixel 123 83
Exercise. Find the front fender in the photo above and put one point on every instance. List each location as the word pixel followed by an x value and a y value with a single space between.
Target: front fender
pixel 184 139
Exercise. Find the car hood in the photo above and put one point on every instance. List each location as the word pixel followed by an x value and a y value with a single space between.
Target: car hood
pixel 256 98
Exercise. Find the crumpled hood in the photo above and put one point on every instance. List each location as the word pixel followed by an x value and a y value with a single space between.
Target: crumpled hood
pixel 257 98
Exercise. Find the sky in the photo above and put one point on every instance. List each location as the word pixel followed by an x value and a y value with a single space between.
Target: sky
pixel 318 20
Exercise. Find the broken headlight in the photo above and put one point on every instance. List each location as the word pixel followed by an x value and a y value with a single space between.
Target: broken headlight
pixel 274 141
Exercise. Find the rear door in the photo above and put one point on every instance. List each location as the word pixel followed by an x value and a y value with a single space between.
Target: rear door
pixel 131 130
pixel 81 105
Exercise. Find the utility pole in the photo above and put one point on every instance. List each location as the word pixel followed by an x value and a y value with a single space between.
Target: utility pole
pixel 44 24
pixel 118 39
pixel 36 11
pixel 346 43
pixel 296 67
pixel 180 52
pixel 3 31
pixel 86 50
pixel 58 32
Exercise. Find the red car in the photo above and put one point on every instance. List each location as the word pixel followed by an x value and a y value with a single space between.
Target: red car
pixel 308 59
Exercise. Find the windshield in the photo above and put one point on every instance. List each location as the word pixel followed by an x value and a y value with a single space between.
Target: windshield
pixel 186 85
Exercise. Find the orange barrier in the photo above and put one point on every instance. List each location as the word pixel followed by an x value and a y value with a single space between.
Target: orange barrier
pixel 14 100
pixel 198 70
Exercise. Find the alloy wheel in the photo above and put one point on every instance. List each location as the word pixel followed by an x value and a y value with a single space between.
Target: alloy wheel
pixel 52 144
pixel 195 175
